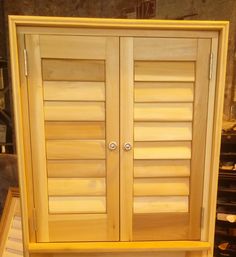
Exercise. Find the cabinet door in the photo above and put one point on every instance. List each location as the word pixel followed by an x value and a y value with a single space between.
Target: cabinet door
pixel 73 98
pixel 164 102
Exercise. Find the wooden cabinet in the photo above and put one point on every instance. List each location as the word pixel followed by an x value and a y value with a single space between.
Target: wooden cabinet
pixel 118 127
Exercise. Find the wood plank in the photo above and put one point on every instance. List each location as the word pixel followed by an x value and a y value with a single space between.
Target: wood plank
pixel 160 226
pixel 74 91
pixel 161 168
pixel 162 150
pixel 164 71
pixel 163 111
pixel 126 135
pixel 161 186
pixel 199 138
pixel 163 92
pixel 126 254
pixel 79 204
pixel 75 149
pixel 74 111
pixel 158 204
pixel 113 135
pixel 118 247
pixel 12 253
pixel 86 47
pixel 71 70
pixel 14 245
pixel 74 130
pixel 76 186
pixel 15 233
pixel 68 228
pixel 162 131
pixel 17 224
pixel 165 49
pixel 37 136
pixel 76 168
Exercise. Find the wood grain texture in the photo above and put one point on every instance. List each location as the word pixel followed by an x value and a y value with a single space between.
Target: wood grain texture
pixel 164 71
pixel 126 135
pixel 163 111
pixel 112 135
pixel 163 92
pixel 77 204
pixel 199 137
pixel 162 131
pixel 76 168
pixel 72 70
pixel 74 91
pixel 37 143
pixel 160 226
pixel 87 47
pixel 162 150
pixel 74 130
pixel 160 204
pixel 165 49
pixel 74 111
pixel 69 228
pixel 76 186
pixel 161 168
pixel 161 186
pixel 75 149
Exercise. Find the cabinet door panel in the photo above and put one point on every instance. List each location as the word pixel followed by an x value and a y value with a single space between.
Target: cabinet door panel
pixel 73 85
pixel 165 101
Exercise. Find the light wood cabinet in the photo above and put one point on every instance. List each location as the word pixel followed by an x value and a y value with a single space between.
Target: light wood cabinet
pixel 118 127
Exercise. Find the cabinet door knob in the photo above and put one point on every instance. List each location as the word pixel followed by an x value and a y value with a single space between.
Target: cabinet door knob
pixel 112 146
pixel 127 146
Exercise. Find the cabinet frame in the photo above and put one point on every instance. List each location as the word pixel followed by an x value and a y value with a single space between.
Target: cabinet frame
pixel 21 25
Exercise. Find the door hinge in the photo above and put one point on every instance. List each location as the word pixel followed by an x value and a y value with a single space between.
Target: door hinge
pixel 202 216
pixel 25 63
pixel 34 220
pixel 211 65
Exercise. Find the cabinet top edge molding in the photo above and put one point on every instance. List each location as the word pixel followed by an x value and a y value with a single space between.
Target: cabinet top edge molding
pixel 18 20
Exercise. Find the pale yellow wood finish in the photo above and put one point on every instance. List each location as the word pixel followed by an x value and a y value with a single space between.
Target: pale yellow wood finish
pixel 74 90
pixel 126 136
pixel 38 155
pixel 163 91
pixel 143 30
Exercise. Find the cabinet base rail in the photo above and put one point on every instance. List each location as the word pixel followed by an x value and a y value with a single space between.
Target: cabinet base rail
pixel 118 247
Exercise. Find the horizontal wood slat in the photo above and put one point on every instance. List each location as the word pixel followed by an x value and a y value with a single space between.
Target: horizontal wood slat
pixel 74 91
pixel 161 226
pixel 162 131
pixel 86 47
pixel 162 150
pixel 15 233
pixel 163 111
pixel 165 49
pixel 74 111
pixel 164 71
pixel 79 204
pixel 16 224
pixel 75 149
pixel 161 186
pixel 74 130
pixel 15 245
pixel 76 186
pixel 76 168
pixel 157 204
pixel 71 70
pixel 161 168
pixel 163 92
pixel 63 227
pixel 12 253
